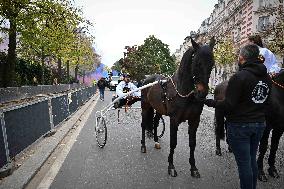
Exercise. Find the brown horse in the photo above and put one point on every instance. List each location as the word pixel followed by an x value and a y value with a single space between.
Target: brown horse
pixel 180 98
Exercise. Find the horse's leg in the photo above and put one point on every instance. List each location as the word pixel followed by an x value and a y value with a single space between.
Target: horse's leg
pixel 192 128
pixel 173 143
pixel 143 126
pixel 229 147
pixel 262 150
pixel 219 129
pixel 147 123
pixel 156 123
pixel 276 135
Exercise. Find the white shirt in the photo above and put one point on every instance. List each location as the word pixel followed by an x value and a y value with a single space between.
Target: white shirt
pixel 270 60
pixel 131 86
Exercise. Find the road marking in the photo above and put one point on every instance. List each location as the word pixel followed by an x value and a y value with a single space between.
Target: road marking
pixel 208 110
pixel 54 169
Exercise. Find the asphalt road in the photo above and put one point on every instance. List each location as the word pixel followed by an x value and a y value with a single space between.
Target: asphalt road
pixel 120 164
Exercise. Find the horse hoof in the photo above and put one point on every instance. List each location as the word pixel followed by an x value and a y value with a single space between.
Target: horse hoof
pixel 262 177
pixel 172 171
pixel 143 149
pixel 218 152
pixel 157 146
pixel 195 173
pixel 273 172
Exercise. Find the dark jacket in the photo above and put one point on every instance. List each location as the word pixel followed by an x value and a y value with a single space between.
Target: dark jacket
pixel 247 94
pixel 102 83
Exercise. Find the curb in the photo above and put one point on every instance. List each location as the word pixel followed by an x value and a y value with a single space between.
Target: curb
pixel 21 177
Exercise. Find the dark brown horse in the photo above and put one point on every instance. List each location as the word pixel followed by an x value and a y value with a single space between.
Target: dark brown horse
pixel 274 122
pixel 219 118
pixel 180 99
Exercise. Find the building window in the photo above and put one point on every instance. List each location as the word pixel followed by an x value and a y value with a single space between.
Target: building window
pixel 261 3
pixel 263 23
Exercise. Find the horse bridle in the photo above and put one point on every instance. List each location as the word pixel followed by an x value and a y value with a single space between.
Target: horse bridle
pixel 183 96
pixel 279 85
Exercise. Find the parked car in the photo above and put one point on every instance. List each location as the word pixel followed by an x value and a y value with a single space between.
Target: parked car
pixel 114 82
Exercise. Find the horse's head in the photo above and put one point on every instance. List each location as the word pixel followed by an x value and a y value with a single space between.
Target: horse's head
pixel 202 63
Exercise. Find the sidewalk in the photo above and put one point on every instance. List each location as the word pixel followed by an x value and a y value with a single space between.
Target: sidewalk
pixel 43 149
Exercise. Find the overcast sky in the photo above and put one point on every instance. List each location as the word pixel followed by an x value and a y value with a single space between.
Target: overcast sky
pixel 120 23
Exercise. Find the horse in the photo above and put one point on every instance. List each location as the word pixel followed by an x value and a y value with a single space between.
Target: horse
pixel 219 117
pixel 180 98
pixel 274 121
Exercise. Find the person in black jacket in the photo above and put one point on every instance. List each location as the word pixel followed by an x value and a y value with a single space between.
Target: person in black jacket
pixel 102 83
pixel 247 95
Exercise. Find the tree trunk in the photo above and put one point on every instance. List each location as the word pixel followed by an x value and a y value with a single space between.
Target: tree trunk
pixel 84 76
pixel 42 65
pixel 68 71
pixel 59 70
pixel 76 72
pixel 9 75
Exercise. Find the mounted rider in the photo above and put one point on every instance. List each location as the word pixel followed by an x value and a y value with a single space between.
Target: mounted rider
pixel 270 62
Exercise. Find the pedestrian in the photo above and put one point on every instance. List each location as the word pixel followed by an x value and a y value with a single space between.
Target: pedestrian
pixel 35 82
pixel 102 85
pixel 269 58
pixel 246 96
pixel 55 81
pixel 123 87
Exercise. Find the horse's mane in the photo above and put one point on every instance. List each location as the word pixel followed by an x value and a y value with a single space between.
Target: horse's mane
pixel 185 62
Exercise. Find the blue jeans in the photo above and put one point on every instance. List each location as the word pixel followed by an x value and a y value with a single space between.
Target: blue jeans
pixel 244 140
pixel 102 93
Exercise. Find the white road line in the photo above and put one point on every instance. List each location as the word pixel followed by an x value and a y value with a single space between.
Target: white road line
pixel 212 111
pixel 54 169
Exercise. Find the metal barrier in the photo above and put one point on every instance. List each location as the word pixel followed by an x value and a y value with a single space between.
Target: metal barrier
pixel 60 108
pixel 16 93
pixel 3 154
pixel 22 125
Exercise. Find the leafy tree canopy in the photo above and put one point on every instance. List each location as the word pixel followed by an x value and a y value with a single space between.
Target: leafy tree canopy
pixel 224 52
pixel 152 57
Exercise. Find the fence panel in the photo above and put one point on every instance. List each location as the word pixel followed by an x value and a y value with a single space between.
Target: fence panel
pixel 59 109
pixel 25 125
pixel 74 102
pixel 3 158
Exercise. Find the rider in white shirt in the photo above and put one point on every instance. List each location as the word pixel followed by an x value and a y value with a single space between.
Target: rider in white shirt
pixel 270 59
pixel 125 86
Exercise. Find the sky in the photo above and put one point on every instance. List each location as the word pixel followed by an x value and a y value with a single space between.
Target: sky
pixel 120 23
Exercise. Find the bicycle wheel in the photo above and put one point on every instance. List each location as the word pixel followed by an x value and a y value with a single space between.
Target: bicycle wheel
pixel 101 132
pixel 161 127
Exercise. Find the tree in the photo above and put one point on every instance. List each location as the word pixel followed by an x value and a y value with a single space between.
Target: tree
pixel 44 28
pixel 224 52
pixel 276 34
pixel 152 57
pixel 118 65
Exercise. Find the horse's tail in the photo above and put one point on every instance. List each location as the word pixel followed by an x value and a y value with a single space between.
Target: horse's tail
pixel 219 123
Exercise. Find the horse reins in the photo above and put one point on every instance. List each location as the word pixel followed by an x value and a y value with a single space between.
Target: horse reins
pixel 279 85
pixel 183 96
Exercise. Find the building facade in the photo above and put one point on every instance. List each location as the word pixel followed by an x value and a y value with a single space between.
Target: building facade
pixel 236 19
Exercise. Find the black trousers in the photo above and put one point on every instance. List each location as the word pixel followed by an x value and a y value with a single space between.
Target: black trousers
pixel 124 101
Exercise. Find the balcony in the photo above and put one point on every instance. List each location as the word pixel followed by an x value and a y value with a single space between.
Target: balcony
pixel 268 8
